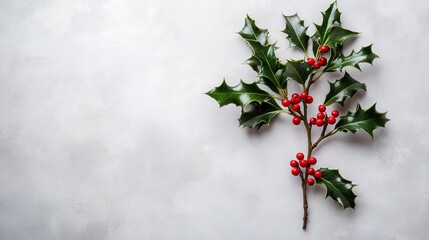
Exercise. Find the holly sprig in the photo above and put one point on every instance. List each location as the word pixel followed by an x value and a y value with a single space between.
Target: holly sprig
pixel 260 106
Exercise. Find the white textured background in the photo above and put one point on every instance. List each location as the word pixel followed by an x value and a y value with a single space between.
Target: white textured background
pixel 105 132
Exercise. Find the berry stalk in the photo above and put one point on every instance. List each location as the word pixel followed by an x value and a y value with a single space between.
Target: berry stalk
pixel 309 151
pixel 322 120
pixel 305 180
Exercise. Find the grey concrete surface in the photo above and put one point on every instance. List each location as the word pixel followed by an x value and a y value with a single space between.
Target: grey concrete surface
pixel 105 132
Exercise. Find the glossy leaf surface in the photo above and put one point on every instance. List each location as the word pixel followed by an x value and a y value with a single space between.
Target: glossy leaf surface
pixel 240 95
pixel 366 120
pixel 343 89
pixel 338 188
pixel 338 60
pixel 330 31
pixel 298 71
pixel 296 32
pixel 263 60
pixel 262 106
pixel 260 114
pixel 337 36
pixel 331 18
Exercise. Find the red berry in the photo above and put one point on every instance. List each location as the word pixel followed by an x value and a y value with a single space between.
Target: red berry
pixel 295 171
pixel 296 120
pixel 303 163
pixel 320 115
pixel 313 120
pixel 300 156
pixel 319 122
pixel 316 65
pixel 304 95
pixel 322 61
pixel 310 171
pixel 331 120
pixel 322 108
pixel 312 160
pixel 296 107
pixel 296 98
pixel 311 61
pixel 324 49
pixel 310 181
pixel 285 102
pixel 293 163
pixel 317 174
pixel 335 113
pixel 309 99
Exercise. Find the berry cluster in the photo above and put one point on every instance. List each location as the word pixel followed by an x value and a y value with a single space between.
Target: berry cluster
pixel 299 165
pixel 322 118
pixel 294 104
pixel 322 61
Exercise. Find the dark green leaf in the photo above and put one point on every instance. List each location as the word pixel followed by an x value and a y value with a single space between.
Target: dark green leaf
pixel 366 120
pixel 296 32
pixel 338 188
pixel 269 66
pixel 338 61
pixel 240 95
pixel 330 31
pixel 338 35
pixel 342 89
pixel 316 45
pixel 260 114
pixel 298 70
pixel 268 83
pixel 263 60
pixel 251 32
pixel 331 18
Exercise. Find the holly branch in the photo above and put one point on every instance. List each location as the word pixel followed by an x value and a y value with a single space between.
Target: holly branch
pixel 322 55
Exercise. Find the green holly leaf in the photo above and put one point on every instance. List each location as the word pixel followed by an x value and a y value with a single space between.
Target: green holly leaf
pixel 241 95
pixel 367 120
pixel 331 18
pixel 338 61
pixel 260 114
pixel 330 31
pixel 263 60
pixel 338 35
pixel 268 83
pixel 266 64
pixel 251 32
pixel 296 32
pixel 298 70
pixel 316 45
pixel 338 188
pixel 262 106
pixel 343 89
